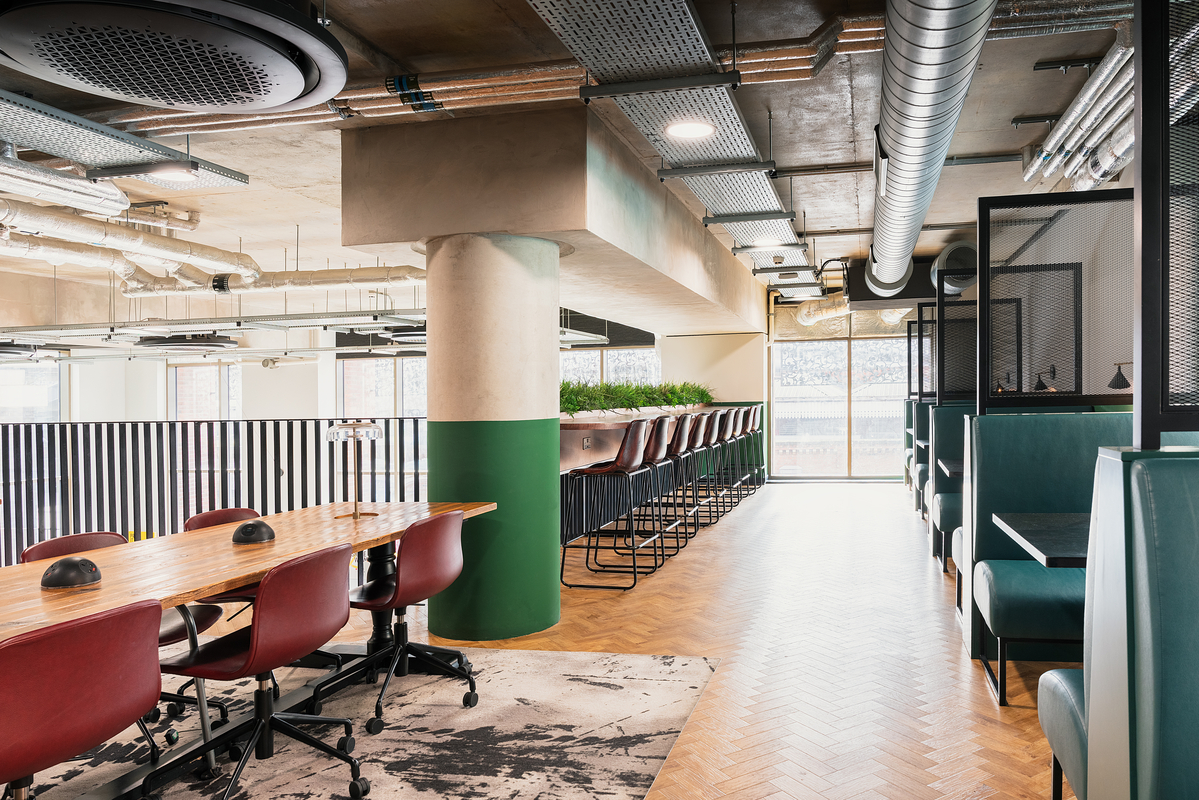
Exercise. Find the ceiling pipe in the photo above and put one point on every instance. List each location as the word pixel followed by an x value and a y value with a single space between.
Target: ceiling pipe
pixel 299 280
pixel 1111 96
pixel 930 55
pixel 814 311
pixel 1113 118
pixel 60 188
pixel 1112 63
pixel 1111 156
pixel 61 225
pixel 56 252
pixel 153 220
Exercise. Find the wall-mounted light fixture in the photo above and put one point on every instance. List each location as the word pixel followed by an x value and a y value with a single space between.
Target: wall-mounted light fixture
pixel 1040 385
pixel 1119 381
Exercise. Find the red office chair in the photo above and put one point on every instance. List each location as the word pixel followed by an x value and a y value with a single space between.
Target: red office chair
pixel 428 559
pixel 174 626
pixel 222 516
pixel 90 655
pixel 301 604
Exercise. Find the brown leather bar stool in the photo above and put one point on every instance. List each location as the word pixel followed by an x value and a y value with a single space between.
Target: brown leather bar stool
pixel 604 494
pixel 683 461
pixel 712 465
pixel 662 476
pixel 697 451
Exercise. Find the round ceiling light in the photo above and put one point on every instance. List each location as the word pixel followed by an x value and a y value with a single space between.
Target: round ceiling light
pixel 188 343
pixel 11 351
pixel 176 175
pixel 226 56
pixel 690 129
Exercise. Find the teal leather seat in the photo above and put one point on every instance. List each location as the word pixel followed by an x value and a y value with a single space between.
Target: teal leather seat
pixel 1164 638
pixel 959 537
pixel 920 477
pixel 1022 601
pixel 945 513
pixel 1062 710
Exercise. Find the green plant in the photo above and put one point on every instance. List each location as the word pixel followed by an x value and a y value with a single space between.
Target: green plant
pixel 575 397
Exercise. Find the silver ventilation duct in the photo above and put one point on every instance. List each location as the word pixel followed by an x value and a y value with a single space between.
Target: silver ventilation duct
pixel 297 280
pixel 929 57
pixel 60 188
pixel 957 256
pixel 813 311
pixel 1111 156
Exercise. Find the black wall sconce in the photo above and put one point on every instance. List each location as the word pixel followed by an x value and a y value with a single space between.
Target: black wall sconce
pixel 1040 385
pixel 1119 381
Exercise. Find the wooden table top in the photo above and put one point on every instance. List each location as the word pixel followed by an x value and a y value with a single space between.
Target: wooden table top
pixel 1055 540
pixel 187 566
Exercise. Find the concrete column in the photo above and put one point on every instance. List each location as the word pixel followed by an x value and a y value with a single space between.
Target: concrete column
pixel 492 304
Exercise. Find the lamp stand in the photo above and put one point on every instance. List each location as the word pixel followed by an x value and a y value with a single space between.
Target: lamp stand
pixel 357 480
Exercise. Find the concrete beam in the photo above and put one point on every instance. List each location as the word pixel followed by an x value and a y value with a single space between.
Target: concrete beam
pixel 631 251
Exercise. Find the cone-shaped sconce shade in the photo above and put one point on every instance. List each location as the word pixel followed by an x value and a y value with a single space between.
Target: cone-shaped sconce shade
pixel 1119 381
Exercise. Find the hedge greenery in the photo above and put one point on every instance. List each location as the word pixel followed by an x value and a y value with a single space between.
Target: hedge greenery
pixel 576 397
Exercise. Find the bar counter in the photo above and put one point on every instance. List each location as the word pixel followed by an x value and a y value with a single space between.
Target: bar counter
pixel 591 436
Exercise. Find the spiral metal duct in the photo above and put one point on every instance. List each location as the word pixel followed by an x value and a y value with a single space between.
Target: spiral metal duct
pixel 929 57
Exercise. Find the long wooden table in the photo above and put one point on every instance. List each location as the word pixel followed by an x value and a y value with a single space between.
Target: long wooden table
pixel 185 567
pixel 179 569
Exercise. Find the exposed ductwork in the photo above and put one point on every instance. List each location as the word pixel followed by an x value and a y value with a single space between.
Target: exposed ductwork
pixel 60 188
pixel 153 220
pixel 27 217
pixel 58 252
pixel 321 280
pixel 956 256
pixel 930 54
pixel 1111 156
pixel 1114 117
pixel 813 311
pixel 1052 150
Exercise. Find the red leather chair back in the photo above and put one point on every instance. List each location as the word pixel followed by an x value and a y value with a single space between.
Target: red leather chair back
pixel 57 695
pixel 220 516
pixel 658 441
pixel 301 605
pixel 428 558
pixel 632 448
pixel 70 545
pixel 699 430
pixel 714 427
pixel 682 435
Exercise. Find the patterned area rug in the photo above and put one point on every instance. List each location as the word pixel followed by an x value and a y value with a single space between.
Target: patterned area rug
pixel 548 725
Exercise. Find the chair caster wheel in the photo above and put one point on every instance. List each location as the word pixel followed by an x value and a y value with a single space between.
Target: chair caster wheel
pixel 172 736
pixel 207 773
pixel 235 752
pixel 152 716
pixel 174 710
pixel 374 725
pixel 220 723
pixel 359 788
pixel 315 707
pixel 470 699
pixel 346 744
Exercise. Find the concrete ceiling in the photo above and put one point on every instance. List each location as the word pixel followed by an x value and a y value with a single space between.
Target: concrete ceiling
pixel 296 171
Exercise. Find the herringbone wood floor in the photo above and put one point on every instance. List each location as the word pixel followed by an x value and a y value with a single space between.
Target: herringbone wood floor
pixel 842 671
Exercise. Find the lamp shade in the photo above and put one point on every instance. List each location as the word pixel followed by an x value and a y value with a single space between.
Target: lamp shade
pixel 350 431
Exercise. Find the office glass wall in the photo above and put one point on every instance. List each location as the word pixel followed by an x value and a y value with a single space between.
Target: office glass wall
pixel 383 387
pixel 837 407
pixel 205 392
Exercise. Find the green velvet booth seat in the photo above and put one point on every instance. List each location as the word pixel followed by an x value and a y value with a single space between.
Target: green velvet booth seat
pixel 1022 601
pixel 921 413
pixel 958 537
pixel 920 479
pixel 946 434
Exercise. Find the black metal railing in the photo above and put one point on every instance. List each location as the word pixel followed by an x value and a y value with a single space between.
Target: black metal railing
pixel 143 479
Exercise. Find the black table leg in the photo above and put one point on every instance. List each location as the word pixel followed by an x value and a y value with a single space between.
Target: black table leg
pixel 381 563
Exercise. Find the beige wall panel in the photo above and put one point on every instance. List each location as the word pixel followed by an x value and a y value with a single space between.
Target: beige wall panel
pixel 732 365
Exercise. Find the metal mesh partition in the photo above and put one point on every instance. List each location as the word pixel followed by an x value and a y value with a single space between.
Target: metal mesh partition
pixel 1055 294
pixel 926 323
pixel 957 342
pixel 913 359
pixel 1167 165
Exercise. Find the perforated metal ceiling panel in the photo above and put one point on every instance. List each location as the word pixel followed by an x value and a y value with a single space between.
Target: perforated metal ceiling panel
pixel 630 40
pixel 30 124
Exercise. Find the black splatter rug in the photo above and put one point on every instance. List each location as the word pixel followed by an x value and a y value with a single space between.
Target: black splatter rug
pixel 548 725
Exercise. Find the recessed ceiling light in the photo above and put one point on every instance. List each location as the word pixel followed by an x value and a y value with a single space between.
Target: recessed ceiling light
pixel 767 242
pixel 692 129
pixel 176 175
pixel 188 343
pixel 11 351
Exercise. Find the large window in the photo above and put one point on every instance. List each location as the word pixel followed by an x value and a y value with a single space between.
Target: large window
pixel 383 387
pixel 611 365
pixel 29 392
pixel 205 391
pixel 838 407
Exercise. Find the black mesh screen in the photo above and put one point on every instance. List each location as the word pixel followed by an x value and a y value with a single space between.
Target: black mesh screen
pixel 1181 278
pixel 913 359
pixel 959 352
pixel 1059 298
pixel 926 314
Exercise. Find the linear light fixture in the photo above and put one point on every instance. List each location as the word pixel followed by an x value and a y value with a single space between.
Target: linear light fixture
pixel 796 285
pixel 770 248
pixel 716 169
pixel 589 93
pixel 779 269
pixel 184 171
pixel 765 216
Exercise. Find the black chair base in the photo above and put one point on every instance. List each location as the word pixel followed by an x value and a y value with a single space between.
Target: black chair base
pixel 1056 778
pixel 998 683
pixel 261 729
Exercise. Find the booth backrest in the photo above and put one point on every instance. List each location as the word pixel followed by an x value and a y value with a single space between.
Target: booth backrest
pixel 1164 640
pixel 921 417
pixel 947 430
pixel 1033 462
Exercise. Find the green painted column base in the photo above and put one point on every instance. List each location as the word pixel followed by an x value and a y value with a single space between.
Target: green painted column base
pixel 509 582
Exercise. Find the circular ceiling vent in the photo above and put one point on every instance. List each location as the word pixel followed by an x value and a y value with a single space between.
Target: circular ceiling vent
pixel 189 343
pixel 226 56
